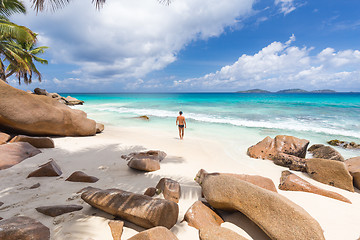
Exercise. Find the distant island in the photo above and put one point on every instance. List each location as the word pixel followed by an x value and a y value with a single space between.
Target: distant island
pixel 254 91
pixel 295 90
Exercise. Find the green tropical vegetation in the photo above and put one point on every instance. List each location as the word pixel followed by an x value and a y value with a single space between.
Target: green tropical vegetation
pixel 18 51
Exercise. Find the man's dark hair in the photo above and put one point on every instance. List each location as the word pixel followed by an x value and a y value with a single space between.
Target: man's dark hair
pixel 180 112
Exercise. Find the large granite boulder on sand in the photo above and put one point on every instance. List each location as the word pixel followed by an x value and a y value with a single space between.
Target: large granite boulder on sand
pixel 290 161
pixel 23 228
pixel 41 115
pixel 145 161
pixel 269 147
pixel 219 233
pixel 151 154
pixel 170 188
pixel 49 169
pixel 80 176
pixel 327 152
pixel 200 216
pixel 276 215
pixel 38 142
pixel 333 173
pixel 14 153
pixel 4 138
pixel 156 233
pixel 353 165
pixel 140 209
pixel 146 164
pixel 292 182
pixel 260 181
pixel 58 210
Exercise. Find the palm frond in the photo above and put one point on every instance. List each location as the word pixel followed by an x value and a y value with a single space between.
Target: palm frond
pixel 9 7
pixel 9 30
pixel 41 5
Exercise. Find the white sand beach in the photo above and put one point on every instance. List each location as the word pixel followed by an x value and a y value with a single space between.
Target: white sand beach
pixel 100 156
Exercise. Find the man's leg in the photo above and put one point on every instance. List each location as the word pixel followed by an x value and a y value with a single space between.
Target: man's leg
pixel 182 133
pixel 179 132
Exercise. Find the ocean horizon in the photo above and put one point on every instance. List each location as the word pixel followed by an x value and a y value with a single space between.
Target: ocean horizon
pixel 318 117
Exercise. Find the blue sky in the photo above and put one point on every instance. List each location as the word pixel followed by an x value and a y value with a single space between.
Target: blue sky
pixel 196 46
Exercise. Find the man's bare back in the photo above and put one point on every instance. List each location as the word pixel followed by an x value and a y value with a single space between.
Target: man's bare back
pixel 181 123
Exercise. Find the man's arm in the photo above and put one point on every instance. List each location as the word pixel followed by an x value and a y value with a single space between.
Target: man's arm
pixel 184 122
pixel 177 119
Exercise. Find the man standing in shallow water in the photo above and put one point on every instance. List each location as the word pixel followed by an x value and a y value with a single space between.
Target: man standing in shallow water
pixel 180 121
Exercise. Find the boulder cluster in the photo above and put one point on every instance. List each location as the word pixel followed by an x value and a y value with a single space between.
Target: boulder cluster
pixel 157 210
pixel 65 100
pixel 326 164
pixel 145 161
pixel 34 114
pixel 17 149
pixel 344 144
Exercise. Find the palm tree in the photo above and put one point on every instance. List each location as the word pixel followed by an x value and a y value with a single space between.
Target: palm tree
pixel 29 55
pixel 9 33
pixel 13 39
pixel 39 5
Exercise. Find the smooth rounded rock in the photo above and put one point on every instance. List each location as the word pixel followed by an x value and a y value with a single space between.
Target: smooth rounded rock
pixel 58 210
pixel 291 182
pixel 276 215
pixel 156 233
pixel 170 188
pixel 327 152
pixel 14 153
pixel 353 165
pixel 147 164
pixel 151 154
pixel 200 216
pixel 219 233
pixel 140 209
pixel 38 142
pixel 333 173
pixel 260 181
pixel 290 161
pixel 80 176
pixel 23 228
pixel 269 147
pixel 41 115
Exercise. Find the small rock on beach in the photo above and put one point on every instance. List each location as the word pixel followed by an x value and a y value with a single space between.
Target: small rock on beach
pixel 80 176
pixel 58 210
pixel 49 169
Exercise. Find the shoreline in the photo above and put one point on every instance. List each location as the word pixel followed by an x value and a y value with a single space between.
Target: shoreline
pixel 100 156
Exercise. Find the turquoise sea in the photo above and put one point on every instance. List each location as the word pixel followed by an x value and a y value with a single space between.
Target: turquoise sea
pixel 234 116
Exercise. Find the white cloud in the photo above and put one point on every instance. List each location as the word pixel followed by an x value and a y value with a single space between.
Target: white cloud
pixel 129 39
pixel 280 66
pixel 286 6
